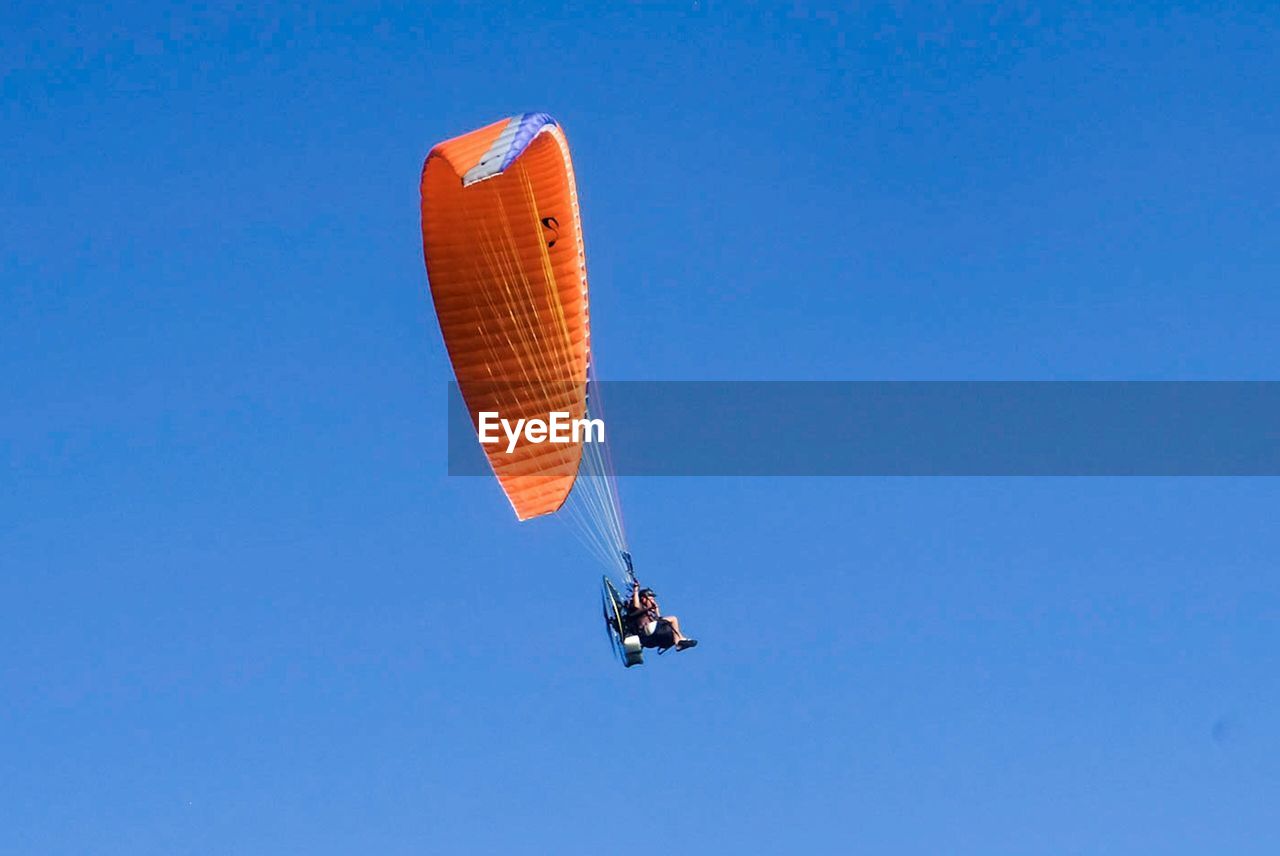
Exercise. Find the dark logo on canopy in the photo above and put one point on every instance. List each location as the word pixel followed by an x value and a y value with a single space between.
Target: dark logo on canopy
pixel 552 226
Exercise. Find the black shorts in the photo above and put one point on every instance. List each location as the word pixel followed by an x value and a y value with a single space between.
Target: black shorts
pixel 661 637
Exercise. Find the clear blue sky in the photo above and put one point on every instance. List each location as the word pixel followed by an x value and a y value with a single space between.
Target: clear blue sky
pixel 245 611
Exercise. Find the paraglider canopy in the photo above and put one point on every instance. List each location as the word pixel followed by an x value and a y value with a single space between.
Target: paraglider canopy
pixel 502 239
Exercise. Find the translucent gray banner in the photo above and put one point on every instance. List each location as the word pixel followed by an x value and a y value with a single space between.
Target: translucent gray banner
pixel 892 428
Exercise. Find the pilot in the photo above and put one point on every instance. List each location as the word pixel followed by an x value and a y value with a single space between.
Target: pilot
pixel 656 630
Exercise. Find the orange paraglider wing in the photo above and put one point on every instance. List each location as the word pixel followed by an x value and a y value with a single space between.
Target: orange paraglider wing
pixel 503 246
